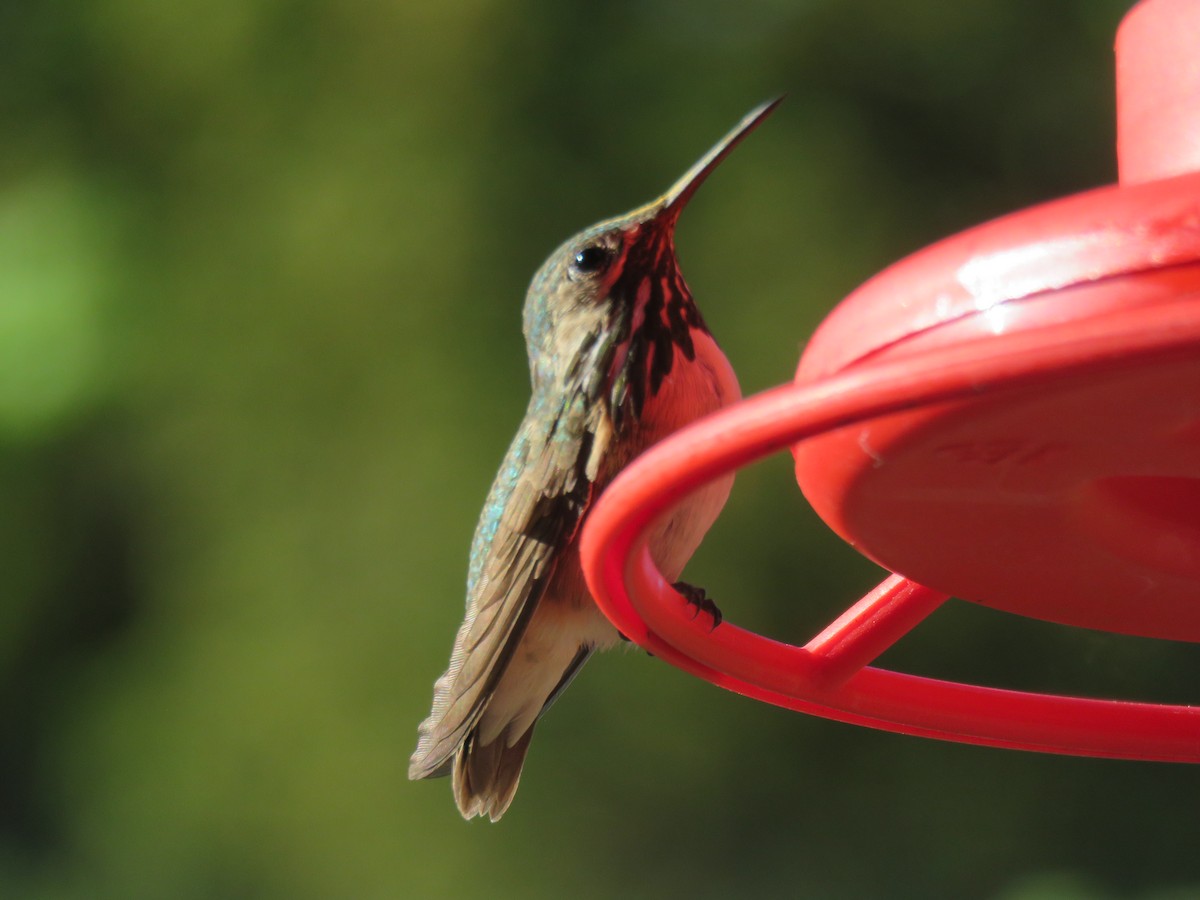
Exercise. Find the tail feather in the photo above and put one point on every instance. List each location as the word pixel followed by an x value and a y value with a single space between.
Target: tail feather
pixel 485 776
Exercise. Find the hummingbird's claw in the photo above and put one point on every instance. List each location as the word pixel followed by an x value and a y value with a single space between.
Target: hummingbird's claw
pixel 700 601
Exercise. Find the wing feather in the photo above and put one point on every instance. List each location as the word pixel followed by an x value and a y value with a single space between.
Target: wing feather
pixel 533 511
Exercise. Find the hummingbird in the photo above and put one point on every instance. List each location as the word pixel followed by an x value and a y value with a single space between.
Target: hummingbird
pixel 619 358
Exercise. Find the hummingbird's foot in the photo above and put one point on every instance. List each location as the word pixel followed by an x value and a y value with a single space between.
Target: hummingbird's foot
pixel 697 598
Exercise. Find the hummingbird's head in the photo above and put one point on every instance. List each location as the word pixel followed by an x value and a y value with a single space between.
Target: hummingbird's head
pixel 609 308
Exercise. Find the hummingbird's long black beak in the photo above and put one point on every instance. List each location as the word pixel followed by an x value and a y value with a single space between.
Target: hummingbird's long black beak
pixel 674 200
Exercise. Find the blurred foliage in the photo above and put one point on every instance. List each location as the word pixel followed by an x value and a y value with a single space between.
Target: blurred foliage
pixel 261 266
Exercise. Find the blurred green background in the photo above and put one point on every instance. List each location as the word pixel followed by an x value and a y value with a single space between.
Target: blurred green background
pixel 261 269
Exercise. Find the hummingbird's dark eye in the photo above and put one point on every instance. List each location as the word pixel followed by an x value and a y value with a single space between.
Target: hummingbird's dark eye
pixel 590 260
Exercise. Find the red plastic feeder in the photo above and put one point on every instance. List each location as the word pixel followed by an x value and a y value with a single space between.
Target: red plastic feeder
pixel 1011 416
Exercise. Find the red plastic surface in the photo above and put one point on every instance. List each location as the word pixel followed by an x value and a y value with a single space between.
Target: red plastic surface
pixel 1011 416
pixel 1067 501
pixel 1158 81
